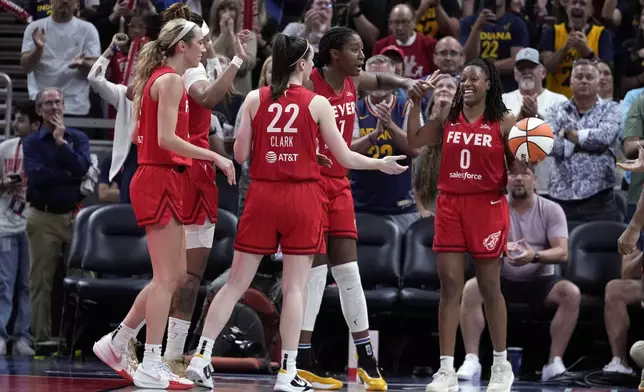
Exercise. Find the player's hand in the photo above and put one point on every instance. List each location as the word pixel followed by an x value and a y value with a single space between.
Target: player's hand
pixel 634 165
pixel 530 107
pixel 417 89
pixel 389 164
pixel 627 242
pixel 323 160
pixel 241 44
pixel 38 35
pixel 227 167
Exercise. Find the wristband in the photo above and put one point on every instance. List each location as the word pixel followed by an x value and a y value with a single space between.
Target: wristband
pixel 237 61
pixel 357 14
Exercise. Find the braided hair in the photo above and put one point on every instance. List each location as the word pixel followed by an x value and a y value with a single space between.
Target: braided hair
pixel 335 38
pixel 494 107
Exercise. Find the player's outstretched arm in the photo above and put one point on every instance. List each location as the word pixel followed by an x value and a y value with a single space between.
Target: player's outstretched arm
pixel 418 134
pixel 322 112
pixel 368 81
pixel 244 139
pixel 170 90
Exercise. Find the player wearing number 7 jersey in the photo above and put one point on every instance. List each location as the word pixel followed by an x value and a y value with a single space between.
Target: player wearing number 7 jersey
pixel 471 208
pixel 286 203
pixel 337 77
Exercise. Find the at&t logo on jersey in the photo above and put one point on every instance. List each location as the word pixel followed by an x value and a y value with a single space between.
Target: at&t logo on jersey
pixel 467 139
pixel 272 157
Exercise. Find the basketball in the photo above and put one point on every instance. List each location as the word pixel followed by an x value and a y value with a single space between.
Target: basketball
pixel 531 140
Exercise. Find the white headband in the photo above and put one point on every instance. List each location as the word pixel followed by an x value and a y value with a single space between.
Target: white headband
pixel 308 46
pixel 204 29
pixel 186 29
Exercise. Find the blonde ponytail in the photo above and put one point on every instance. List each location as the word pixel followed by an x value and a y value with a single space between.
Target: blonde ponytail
pixel 150 57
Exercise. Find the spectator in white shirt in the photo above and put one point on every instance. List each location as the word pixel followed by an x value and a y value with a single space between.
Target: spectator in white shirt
pixel 14 254
pixel 58 51
pixel 531 99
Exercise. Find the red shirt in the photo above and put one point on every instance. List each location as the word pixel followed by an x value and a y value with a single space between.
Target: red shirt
pixel 284 137
pixel 344 107
pixel 199 124
pixel 419 55
pixel 149 151
pixel 473 157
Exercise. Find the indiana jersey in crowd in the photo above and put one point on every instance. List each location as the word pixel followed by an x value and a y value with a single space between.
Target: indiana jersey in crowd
pixel 438 18
pixel 496 35
pixel 417 48
pixel 379 131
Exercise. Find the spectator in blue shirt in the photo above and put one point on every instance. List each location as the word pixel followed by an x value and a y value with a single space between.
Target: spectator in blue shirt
pixel 108 191
pixel 56 159
pixel 496 35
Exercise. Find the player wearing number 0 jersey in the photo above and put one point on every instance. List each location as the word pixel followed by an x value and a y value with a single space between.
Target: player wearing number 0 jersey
pixel 156 191
pixel 286 204
pixel 337 77
pixel 471 208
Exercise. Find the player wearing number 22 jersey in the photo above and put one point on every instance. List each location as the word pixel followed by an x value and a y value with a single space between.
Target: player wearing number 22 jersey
pixel 341 222
pixel 285 178
pixel 471 187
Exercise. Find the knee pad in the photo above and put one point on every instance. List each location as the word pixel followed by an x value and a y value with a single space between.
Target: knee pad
pixel 314 292
pixel 200 236
pixel 352 300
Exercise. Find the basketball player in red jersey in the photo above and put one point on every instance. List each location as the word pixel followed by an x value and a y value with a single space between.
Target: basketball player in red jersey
pixel 161 105
pixel 338 76
pixel 286 203
pixel 473 129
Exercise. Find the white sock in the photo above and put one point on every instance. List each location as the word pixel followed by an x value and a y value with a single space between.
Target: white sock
pixel 352 299
pixel 500 358
pixel 447 362
pixel 122 336
pixel 313 298
pixel 204 347
pixel 138 329
pixel 288 361
pixel 176 340
pixel 151 355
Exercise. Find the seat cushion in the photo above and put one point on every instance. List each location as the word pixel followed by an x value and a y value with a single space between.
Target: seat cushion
pixel 69 284
pixel 112 291
pixel 412 298
pixel 383 299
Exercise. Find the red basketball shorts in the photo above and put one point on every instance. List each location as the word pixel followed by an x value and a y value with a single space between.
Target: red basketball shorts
pixel 477 224
pixel 341 219
pixel 200 194
pixel 288 214
pixel 156 194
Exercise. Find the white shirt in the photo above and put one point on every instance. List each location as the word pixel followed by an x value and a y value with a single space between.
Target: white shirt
pixel 63 41
pixel 115 95
pixel 13 204
pixel 513 101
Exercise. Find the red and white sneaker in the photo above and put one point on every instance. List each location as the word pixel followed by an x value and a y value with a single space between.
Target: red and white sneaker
pixel 159 376
pixel 118 360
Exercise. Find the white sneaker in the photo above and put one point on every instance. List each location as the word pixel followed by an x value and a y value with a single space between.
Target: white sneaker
pixel 470 370
pixel 444 380
pixel 554 369
pixel 501 378
pixel 617 366
pixel 22 348
pixel 159 376
pixel 117 359
pixel 3 347
pixel 291 383
pixel 200 371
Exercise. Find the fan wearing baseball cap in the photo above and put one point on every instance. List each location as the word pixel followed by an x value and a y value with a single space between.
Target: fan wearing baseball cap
pixel 531 99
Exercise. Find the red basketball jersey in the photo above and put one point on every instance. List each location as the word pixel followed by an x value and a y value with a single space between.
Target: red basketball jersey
pixel 284 137
pixel 199 124
pixel 473 157
pixel 149 151
pixel 344 107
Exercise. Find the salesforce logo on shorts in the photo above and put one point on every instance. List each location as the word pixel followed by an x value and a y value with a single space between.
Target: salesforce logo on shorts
pixel 465 176
pixel 271 157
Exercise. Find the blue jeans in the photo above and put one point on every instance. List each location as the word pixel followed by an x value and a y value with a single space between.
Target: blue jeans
pixel 14 278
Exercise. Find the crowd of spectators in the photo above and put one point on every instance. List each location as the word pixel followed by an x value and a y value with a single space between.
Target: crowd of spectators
pixel 569 62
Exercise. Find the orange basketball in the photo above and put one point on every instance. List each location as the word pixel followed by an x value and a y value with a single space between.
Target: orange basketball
pixel 531 140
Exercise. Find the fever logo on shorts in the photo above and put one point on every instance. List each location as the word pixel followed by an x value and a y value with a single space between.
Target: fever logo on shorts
pixel 490 241
pixel 271 157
